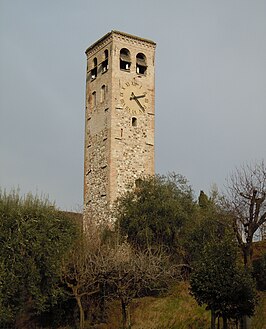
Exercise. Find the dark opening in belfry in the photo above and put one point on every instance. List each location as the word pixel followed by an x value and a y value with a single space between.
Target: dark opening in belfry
pixel 141 64
pixel 125 61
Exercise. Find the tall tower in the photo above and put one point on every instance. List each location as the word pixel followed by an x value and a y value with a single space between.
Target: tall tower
pixel 119 127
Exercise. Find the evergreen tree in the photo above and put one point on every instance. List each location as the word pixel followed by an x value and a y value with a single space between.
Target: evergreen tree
pixel 154 213
pixel 33 238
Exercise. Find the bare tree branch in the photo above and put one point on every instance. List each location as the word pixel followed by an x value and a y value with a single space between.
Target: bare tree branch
pixel 246 200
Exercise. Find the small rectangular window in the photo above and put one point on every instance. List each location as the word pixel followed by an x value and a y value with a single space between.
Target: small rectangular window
pixel 134 122
pixel 103 93
pixel 94 100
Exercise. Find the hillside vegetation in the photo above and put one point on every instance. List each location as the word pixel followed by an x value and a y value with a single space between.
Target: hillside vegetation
pixel 177 310
pixel 168 261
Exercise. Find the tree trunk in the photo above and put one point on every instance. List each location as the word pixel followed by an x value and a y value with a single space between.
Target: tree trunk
pixel 124 314
pixel 213 317
pixel 81 313
pixel 225 322
pixel 245 322
pixel 102 304
pixel 247 253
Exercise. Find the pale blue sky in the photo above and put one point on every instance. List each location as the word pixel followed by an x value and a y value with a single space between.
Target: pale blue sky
pixel 210 87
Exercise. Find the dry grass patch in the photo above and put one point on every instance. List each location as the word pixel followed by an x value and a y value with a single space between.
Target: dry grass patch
pixel 178 310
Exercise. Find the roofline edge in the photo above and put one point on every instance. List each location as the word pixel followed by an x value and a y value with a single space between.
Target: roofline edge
pixel 121 33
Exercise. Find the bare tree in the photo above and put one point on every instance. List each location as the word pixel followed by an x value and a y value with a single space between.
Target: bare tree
pixel 246 199
pixel 124 272
pixel 84 267
pixel 135 272
pixel 263 231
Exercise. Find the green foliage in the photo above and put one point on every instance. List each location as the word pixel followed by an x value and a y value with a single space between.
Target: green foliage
pixel 220 283
pixel 209 223
pixel 259 272
pixel 259 320
pixel 216 278
pixel 33 238
pixel 153 214
pixel 175 310
pixel 204 201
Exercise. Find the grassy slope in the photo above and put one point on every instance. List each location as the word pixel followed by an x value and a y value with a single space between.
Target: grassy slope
pixel 178 310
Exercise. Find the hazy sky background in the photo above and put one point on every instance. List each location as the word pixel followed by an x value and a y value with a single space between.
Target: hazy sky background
pixel 210 87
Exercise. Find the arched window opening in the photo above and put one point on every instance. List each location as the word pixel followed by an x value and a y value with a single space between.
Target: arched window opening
pixel 141 64
pixel 105 61
pixel 125 61
pixel 94 99
pixel 134 122
pixel 103 93
pixel 138 182
pixel 94 69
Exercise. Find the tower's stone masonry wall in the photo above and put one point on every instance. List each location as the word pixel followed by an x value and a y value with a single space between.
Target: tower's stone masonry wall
pixel 97 138
pixel 133 152
pixel 116 151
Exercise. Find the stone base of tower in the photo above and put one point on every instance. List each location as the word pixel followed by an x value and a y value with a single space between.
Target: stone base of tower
pixel 97 215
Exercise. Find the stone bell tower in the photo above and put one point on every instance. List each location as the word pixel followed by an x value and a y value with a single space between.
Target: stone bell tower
pixel 119 126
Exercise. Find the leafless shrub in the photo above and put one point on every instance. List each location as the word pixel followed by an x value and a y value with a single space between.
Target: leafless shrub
pixel 246 199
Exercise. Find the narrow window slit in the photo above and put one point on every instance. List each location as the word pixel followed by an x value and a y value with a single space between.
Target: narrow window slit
pixel 134 122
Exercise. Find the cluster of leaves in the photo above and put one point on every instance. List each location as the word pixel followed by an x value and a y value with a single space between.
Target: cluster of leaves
pixel 218 279
pixel 33 238
pixel 259 272
pixel 161 212
pixel 219 282
pixel 154 213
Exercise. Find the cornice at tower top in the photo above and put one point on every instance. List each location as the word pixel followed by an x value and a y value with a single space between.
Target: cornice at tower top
pixel 122 34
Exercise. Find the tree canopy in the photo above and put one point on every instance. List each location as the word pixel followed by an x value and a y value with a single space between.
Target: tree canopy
pixel 33 238
pixel 154 213
pixel 219 282
pixel 217 278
